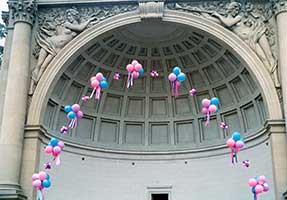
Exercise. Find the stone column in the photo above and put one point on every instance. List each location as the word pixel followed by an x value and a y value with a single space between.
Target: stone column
pixel 6 16
pixel 280 163
pixel 15 102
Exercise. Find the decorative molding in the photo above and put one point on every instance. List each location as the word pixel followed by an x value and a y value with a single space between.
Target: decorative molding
pixel 151 9
pixel 23 11
pixel 253 23
pixel 58 26
pixel 279 6
pixel 5 17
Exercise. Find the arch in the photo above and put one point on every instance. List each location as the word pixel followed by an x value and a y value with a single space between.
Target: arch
pixel 63 59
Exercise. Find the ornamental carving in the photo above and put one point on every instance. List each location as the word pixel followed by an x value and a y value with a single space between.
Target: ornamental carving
pixel 58 26
pixel 23 10
pixel 253 23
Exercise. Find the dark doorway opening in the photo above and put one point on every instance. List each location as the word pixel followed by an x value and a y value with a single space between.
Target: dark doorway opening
pixel 159 196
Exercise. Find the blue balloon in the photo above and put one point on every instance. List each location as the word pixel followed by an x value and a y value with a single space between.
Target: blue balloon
pixel 176 70
pixel 104 84
pixel 253 189
pixel 46 183
pixel 104 79
pixel 181 77
pixel 214 101
pixel 54 142
pixel 48 177
pixel 236 136
pixel 68 109
pixel 141 71
pixel 72 115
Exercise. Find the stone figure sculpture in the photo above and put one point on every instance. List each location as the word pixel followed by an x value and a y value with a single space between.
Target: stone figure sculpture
pixel 250 27
pixel 52 38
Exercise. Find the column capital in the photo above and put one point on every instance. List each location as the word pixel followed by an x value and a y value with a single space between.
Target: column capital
pixel 23 10
pixel 279 6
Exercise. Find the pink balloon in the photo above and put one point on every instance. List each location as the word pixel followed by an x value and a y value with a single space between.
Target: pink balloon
pixel 48 149
pixel 212 108
pixel 136 75
pixel 93 78
pixel 99 76
pixel 138 67
pixel 35 177
pixel 265 187
pixel 239 144
pixel 134 62
pixel 171 77
pixel 76 107
pixel 37 183
pixel 57 149
pixel 130 68
pixel 252 182
pixel 61 144
pixel 95 83
pixel 205 103
pixel 259 189
pixel 204 111
pixel 80 114
pixel 42 175
pixel 230 143
pixel 261 179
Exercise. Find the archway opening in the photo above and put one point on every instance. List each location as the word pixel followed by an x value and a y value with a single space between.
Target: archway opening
pixel 146 117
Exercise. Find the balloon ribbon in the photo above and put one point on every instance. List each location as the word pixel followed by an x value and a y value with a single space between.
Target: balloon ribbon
pixel 40 194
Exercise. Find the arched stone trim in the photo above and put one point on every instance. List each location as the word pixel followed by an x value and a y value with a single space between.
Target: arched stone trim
pixel 62 60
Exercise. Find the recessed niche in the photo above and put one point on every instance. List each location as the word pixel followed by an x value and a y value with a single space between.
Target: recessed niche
pixel 135 107
pixel 108 132
pixel 159 134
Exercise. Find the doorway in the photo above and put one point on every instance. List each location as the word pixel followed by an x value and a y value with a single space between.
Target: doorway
pixel 163 196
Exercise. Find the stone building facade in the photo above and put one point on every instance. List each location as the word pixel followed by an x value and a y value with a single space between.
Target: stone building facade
pixel 138 142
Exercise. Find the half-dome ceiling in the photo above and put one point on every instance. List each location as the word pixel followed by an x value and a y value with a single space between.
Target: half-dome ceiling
pixel 147 117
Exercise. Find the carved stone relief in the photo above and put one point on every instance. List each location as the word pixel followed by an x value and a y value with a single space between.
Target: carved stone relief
pixel 253 23
pixel 58 26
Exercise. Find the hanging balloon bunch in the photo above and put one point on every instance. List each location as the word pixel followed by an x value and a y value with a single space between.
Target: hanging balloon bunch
pixel 134 69
pixel 154 74
pixel 235 143
pixel 73 113
pixel 258 185
pixel 97 82
pixel 117 76
pixel 176 77
pixel 193 92
pixel 54 148
pixel 208 107
pixel 41 181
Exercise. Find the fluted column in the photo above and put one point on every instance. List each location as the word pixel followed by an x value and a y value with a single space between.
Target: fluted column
pixel 279 151
pixel 15 102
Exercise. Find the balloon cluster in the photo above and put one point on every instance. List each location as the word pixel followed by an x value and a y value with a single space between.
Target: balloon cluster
pixel 193 92
pixel 209 106
pixel 134 69
pixel 176 77
pixel 54 148
pixel 258 185
pixel 73 113
pixel 41 181
pixel 117 76
pixel 235 143
pixel 154 74
pixel 223 125
pixel 246 163
pixel 97 82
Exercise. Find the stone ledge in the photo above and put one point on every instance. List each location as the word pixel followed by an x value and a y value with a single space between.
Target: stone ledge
pixel 11 192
